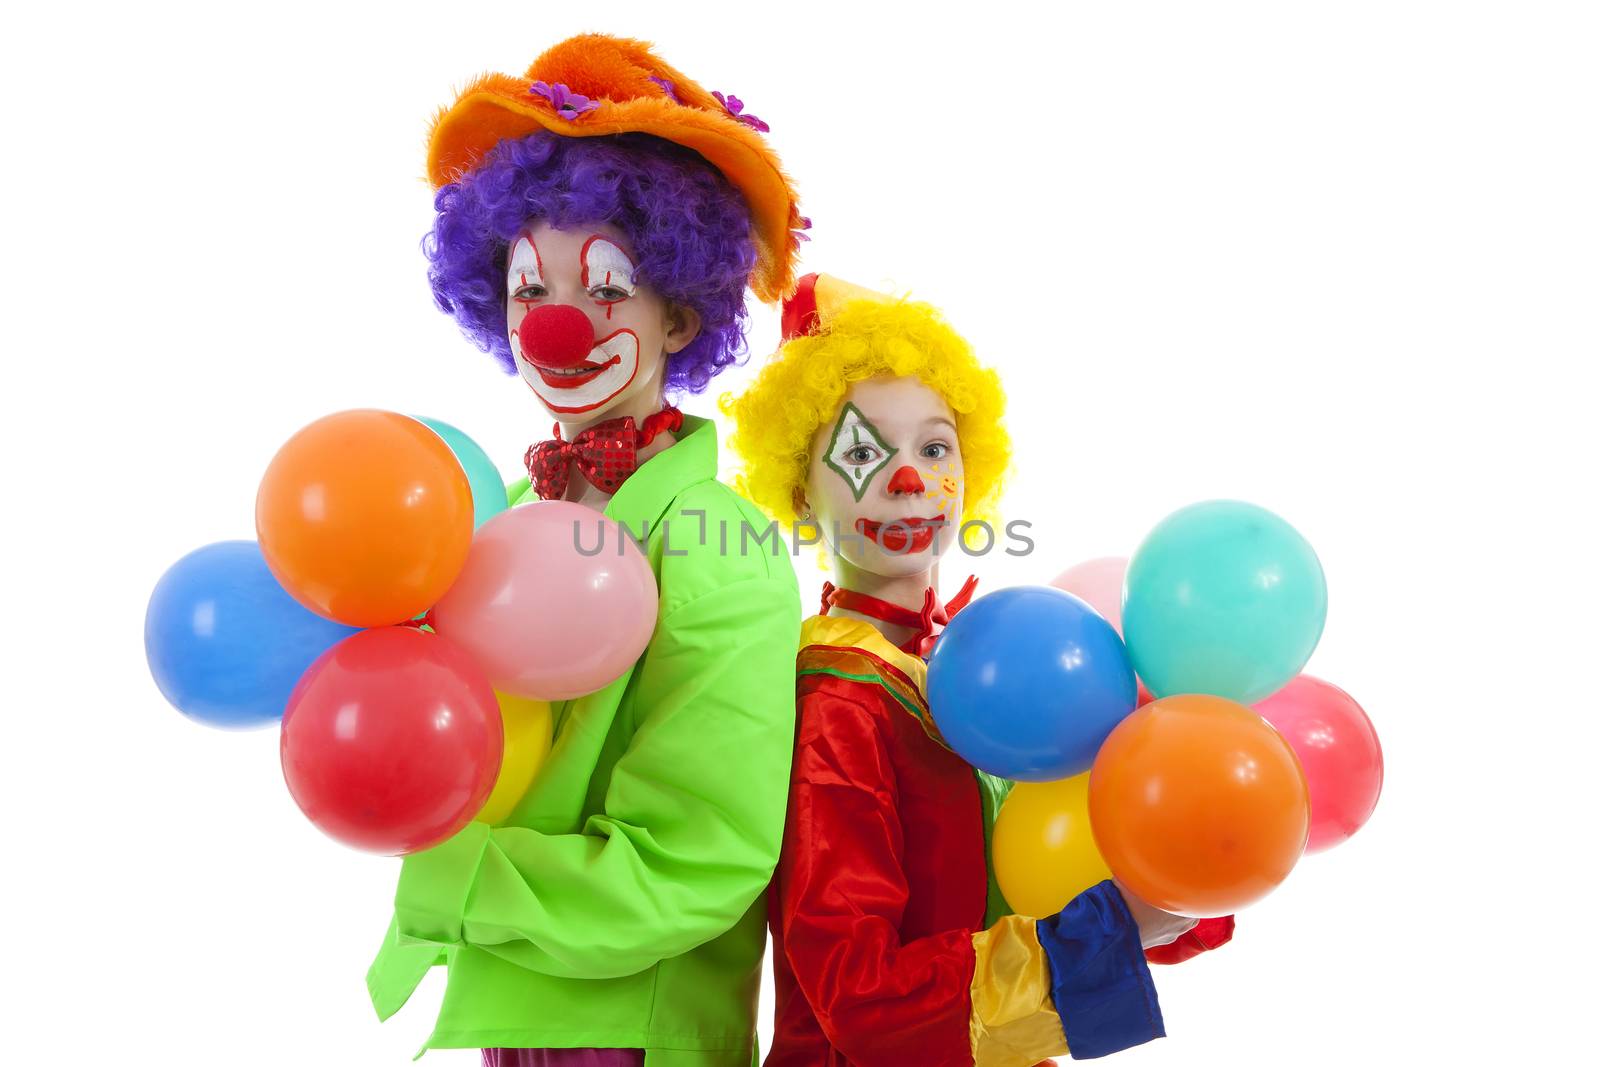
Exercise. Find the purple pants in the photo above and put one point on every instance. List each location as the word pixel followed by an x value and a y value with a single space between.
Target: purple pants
pixel 563 1057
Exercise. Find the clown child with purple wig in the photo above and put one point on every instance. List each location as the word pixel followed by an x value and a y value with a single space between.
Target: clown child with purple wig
pixel 598 222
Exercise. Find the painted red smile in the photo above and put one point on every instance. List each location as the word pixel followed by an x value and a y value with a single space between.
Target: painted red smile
pixel 896 535
pixel 572 377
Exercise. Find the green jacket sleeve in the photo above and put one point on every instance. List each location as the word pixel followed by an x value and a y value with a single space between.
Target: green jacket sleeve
pixel 692 818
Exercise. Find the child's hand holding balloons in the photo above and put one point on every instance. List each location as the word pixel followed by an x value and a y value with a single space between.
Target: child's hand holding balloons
pixel 1156 927
pixel 1196 804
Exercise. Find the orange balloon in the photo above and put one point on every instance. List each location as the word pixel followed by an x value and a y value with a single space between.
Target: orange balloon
pixel 365 517
pixel 1198 805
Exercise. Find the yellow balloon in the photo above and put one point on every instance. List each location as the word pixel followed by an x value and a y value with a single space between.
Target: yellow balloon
pixel 527 724
pixel 1044 851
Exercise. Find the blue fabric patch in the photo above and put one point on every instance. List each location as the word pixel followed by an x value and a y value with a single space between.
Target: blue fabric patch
pixel 1099 980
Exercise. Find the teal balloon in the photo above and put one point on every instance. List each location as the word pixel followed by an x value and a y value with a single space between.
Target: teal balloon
pixel 488 491
pixel 1223 598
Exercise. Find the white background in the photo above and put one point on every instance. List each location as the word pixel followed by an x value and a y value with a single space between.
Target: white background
pixel 1337 259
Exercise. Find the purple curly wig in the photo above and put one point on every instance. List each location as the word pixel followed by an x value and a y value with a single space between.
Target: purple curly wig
pixel 689 229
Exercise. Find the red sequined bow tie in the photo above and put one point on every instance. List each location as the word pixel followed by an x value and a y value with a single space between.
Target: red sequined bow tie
pixel 921 623
pixel 605 453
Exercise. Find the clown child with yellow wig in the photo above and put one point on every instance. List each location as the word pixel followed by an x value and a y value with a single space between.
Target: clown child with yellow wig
pixel 877 425
pixel 598 221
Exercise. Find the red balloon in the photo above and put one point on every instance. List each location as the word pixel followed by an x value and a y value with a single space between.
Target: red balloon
pixel 1338 750
pixel 392 741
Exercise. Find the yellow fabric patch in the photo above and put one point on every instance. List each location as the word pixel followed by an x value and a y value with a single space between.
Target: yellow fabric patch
pixel 851 648
pixel 842 632
pixel 1014 1021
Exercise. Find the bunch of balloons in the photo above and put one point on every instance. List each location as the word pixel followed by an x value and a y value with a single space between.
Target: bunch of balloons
pixel 405 625
pixel 1153 714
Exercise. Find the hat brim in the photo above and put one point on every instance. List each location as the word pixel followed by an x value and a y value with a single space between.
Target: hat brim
pixel 497 107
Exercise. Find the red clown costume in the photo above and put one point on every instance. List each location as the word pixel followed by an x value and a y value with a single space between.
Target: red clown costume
pixel 883 913
pixel 892 943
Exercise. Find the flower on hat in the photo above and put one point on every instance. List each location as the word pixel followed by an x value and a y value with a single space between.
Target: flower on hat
pixel 568 104
pixel 667 87
pixel 735 108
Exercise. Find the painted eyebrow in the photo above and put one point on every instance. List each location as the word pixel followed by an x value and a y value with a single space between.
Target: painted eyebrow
pixel 613 242
pixel 511 256
pixel 627 283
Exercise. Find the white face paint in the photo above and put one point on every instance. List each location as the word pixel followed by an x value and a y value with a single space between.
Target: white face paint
pixel 524 271
pixel 590 270
pixel 856 453
pixel 612 365
pixel 607 270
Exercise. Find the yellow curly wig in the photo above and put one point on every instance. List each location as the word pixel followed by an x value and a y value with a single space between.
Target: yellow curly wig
pixel 803 386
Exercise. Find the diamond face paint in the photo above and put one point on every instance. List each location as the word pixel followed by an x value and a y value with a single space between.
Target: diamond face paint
pixel 856 452
pixel 607 273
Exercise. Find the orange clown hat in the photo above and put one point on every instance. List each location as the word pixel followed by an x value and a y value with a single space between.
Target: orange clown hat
pixel 595 84
pixel 815 301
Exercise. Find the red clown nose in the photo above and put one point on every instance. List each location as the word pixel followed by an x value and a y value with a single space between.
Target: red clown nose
pixel 555 335
pixel 906 480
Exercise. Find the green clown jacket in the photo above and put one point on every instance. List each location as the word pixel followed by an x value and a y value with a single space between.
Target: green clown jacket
pixel 621 904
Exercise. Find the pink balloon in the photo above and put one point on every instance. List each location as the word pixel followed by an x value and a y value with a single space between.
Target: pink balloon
pixel 1099 581
pixel 1338 750
pixel 541 617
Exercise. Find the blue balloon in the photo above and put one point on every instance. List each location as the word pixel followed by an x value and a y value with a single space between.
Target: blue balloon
pixel 225 643
pixel 1223 598
pixel 1025 683
pixel 488 491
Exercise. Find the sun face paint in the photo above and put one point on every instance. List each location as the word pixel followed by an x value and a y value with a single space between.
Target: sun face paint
pixel 856 451
pixel 944 487
pixel 607 270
